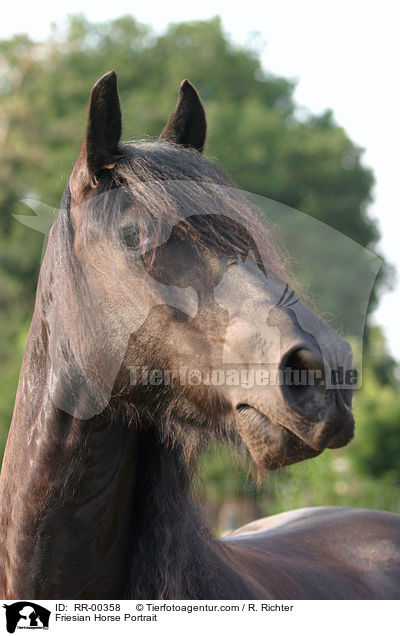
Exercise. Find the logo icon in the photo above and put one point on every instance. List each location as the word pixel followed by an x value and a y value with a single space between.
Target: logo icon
pixel 26 615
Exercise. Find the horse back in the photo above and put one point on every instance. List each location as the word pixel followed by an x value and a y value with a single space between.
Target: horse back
pixel 322 553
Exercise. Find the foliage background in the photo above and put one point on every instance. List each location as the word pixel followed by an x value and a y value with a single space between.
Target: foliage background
pixel 265 143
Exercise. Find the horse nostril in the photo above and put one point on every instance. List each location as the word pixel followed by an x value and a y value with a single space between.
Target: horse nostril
pixel 303 383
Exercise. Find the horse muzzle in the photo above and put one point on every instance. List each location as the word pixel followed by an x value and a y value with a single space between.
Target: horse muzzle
pixel 299 418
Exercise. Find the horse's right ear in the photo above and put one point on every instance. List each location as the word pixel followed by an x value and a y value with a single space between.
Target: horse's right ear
pixel 99 150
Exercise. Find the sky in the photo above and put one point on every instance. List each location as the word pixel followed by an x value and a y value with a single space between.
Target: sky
pixel 344 55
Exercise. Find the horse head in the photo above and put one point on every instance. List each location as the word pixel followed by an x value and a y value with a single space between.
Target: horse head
pixel 172 293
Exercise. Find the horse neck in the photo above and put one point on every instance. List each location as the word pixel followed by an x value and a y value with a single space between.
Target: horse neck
pixel 173 556
pixel 65 491
pixel 170 547
pixel 99 508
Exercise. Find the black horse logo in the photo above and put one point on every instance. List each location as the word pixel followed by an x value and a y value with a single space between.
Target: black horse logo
pixel 27 615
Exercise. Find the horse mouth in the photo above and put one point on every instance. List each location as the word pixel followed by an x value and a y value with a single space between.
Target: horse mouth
pixel 272 445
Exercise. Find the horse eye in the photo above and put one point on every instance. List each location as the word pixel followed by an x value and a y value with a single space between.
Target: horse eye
pixel 134 238
pixel 233 260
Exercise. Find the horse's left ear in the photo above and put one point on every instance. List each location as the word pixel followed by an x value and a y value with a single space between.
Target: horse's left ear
pixel 99 150
pixel 187 125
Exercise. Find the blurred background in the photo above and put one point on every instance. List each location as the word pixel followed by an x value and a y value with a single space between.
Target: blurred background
pixel 271 145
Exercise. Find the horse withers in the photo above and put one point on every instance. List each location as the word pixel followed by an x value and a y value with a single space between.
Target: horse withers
pixel 158 273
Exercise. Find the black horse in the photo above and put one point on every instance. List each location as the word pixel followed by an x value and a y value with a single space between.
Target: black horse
pixel 157 271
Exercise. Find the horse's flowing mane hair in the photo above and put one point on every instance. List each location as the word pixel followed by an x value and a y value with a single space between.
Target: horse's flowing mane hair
pixel 166 184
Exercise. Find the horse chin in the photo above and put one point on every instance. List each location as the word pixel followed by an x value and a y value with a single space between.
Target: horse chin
pixel 270 445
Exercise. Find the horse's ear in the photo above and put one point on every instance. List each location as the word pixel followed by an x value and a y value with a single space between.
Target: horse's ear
pixel 103 131
pixel 187 125
pixel 100 146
